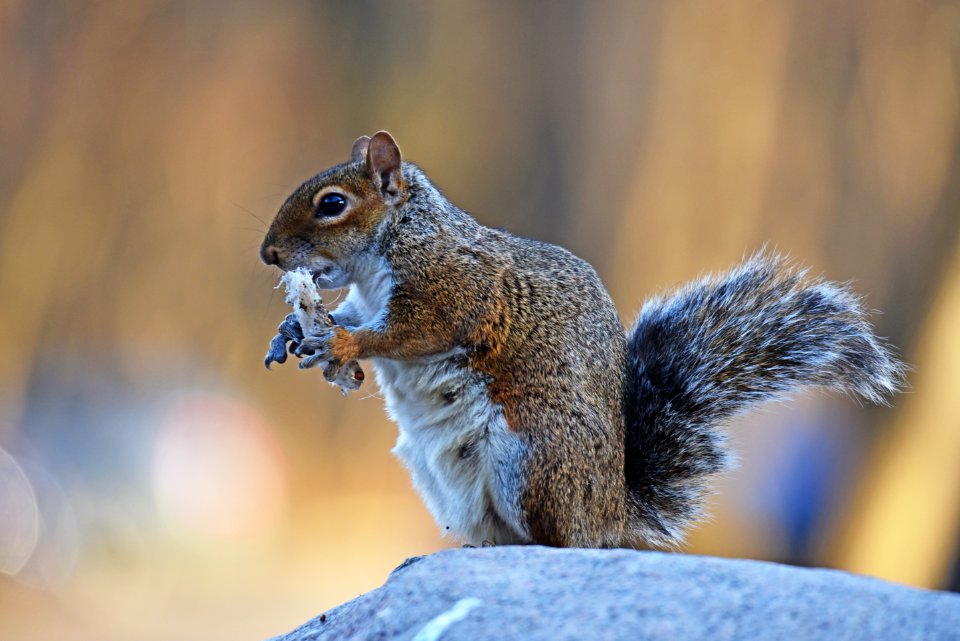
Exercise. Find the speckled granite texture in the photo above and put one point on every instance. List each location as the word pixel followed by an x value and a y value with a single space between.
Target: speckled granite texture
pixel 534 593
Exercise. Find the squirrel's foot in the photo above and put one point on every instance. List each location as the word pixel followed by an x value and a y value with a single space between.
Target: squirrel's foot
pixel 348 376
pixel 484 544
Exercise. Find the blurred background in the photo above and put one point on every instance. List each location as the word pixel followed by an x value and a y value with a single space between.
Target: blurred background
pixel 157 482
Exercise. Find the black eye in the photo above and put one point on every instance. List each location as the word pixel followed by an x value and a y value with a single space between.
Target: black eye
pixel 331 205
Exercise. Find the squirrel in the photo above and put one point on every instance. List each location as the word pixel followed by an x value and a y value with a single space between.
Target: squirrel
pixel 526 413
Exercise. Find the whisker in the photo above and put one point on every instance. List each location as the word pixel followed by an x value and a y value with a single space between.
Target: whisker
pixel 261 275
pixel 266 309
pixel 339 295
pixel 262 221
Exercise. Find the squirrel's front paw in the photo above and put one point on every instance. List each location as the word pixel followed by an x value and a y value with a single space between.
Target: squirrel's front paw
pixel 333 345
pixel 316 349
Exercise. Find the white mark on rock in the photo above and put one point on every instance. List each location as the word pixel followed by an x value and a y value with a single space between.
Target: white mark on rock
pixel 439 624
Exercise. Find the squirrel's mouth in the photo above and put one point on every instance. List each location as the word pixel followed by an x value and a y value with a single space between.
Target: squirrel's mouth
pixel 327 274
pixel 322 275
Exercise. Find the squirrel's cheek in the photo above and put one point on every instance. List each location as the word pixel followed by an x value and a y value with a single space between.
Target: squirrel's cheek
pixel 344 345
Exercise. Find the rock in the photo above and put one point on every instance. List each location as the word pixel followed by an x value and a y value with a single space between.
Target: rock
pixel 534 593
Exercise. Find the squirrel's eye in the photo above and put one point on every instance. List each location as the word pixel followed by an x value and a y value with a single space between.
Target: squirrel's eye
pixel 331 205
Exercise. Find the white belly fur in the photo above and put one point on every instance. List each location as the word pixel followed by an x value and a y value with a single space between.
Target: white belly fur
pixel 464 460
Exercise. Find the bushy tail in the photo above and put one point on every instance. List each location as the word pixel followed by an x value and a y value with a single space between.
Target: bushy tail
pixel 714 349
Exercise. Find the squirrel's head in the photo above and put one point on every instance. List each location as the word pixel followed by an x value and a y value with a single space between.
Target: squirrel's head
pixel 330 220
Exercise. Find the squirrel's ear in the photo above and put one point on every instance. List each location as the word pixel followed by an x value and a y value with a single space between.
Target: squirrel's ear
pixel 383 161
pixel 359 150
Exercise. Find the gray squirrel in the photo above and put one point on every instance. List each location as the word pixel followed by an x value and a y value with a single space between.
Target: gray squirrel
pixel 526 413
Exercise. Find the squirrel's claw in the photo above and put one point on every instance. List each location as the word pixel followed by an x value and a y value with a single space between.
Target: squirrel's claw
pixel 288 331
pixel 277 352
pixel 290 328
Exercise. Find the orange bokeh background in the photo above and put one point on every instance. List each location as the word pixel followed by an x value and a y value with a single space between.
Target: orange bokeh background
pixel 157 482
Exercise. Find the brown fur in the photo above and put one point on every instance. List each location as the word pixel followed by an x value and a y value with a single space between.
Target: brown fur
pixel 617 433
pixel 535 319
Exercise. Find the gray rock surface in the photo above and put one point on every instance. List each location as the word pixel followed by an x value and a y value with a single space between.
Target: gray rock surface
pixel 535 593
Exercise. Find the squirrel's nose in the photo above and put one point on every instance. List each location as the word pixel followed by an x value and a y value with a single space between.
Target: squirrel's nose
pixel 270 255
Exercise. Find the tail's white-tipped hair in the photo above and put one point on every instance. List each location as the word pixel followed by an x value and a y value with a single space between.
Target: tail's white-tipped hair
pixel 717 347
